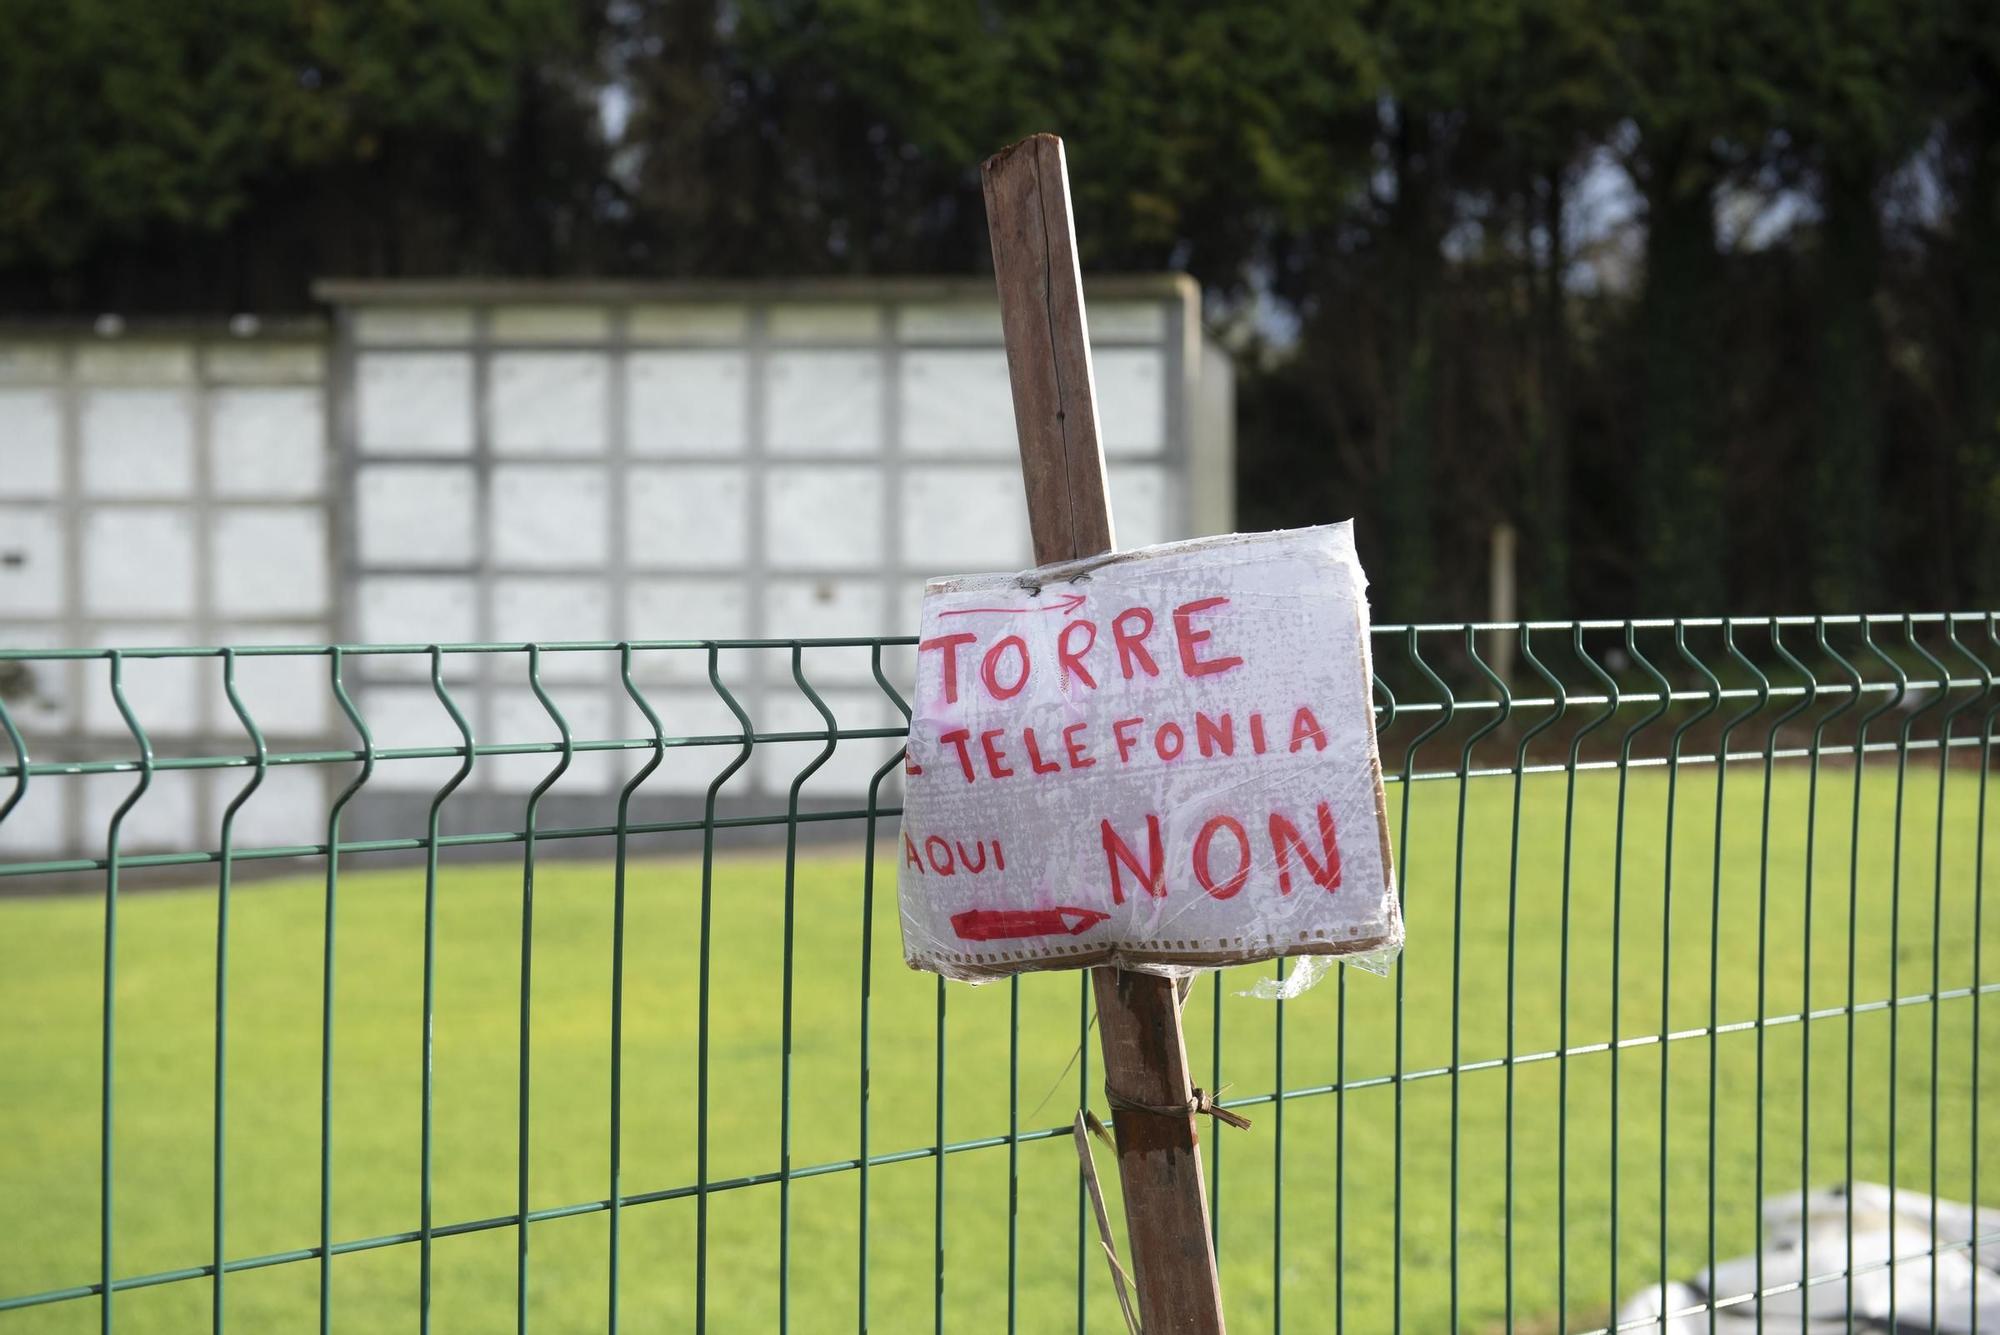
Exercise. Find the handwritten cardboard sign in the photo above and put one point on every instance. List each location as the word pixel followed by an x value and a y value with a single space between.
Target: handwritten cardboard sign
pixel 1158 759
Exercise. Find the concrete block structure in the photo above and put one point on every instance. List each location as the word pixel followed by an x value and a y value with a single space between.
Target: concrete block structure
pixel 504 462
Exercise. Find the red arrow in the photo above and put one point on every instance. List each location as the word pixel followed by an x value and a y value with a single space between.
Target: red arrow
pixel 1008 924
pixel 1069 602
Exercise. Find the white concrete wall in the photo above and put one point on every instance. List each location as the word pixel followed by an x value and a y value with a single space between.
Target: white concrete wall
pixel 162 489
pixel 456 465
pixel 731 469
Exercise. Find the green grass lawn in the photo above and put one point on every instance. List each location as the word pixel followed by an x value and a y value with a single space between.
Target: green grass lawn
pixel 49 980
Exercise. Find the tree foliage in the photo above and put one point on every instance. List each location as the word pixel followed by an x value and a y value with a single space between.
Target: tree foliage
pixel 205 152
pixel 1774 382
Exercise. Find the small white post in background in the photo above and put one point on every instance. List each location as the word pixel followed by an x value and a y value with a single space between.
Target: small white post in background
pixel 1500 605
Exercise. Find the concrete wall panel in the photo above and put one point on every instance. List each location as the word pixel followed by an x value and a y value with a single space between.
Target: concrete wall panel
pixel 688 322
pixel 549 518
pixel 43 701
pixel 414 402
pixel 269 561
pixel 1211 470
pixel 412 324
pixel 1142 504
pixel 558 609
pixel 141 362
pixel 552 609
pixel 688 771
pixel 669 608
pixel 30 363
pixel 825 322
pixel 288 695
pixel 693 517
pixel 31 442
pixel 268 442
pixel 687 402
pixel 823 518
pixel 519 719
pixel 825 403
pixel 542 323
pixel 39 824
pixel 415 514
pixel 31 561
pixel 826 607
pixel 829 607
pixel 139 561
pixel 1131 400
pixel 549 402
pixel 848 771
pixel 162 820
pixel 407 717
pixel 785 464
pixel 138 442
pixel 166 694
pixel 264 363
pixel 959 520
pixel 967 321
pixel 1128 321
pixel 415 609
pixel 288 808
pixel 957 402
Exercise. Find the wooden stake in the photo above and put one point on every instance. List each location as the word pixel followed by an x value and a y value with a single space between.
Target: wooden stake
pixel 1062 462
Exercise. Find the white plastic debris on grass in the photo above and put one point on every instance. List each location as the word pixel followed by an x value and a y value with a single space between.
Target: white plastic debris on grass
pixel 1895 1280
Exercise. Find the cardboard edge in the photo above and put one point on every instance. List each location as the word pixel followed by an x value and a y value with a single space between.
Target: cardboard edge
pixel 1107 956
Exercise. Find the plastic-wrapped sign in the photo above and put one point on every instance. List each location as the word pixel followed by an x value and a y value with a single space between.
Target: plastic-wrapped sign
pixel 1161 759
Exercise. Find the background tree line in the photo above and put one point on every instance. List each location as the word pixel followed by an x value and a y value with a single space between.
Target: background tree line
pixel 1701 295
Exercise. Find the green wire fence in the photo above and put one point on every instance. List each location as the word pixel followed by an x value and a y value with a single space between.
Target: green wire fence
pixel 1696 921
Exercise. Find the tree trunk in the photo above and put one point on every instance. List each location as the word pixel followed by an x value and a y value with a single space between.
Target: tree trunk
pixel 1679 502
pixel 1409 487
pixel 1847 402
pixel 1546 484
pixel 1978 452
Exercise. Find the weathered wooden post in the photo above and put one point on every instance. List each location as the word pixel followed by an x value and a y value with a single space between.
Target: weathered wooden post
pixel 1055 413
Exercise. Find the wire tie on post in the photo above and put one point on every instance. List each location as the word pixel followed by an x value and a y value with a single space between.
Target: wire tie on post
pixel 1200 1103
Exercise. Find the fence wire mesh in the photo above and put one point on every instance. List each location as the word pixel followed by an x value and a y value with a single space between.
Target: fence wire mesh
pixel 1696 920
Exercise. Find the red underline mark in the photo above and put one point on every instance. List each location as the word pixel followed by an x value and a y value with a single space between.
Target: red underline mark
pixel 1009 924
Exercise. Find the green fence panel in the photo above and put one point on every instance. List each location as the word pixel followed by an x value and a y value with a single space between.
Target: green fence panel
pixel 1696 920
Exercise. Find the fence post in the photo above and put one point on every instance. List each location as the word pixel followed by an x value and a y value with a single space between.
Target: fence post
pixel 1062 463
